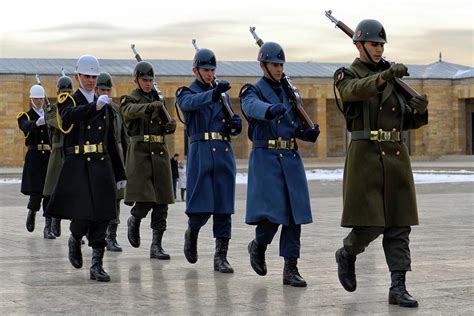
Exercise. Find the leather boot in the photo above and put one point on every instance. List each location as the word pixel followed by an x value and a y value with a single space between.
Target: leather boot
pixel 96 271
pixel 291 276
pixel 133 233
pixel 190 245
pixel 75 253
pixel 56 227
pixel 111 238
pixel 257 257
pixel 398 294
pixel 346 269
pixel 156 251
pixel 47 232
pixel 30 221
pixel 220 256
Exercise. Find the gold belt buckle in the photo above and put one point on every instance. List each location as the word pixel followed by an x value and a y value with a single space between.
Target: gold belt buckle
pixel 283 144
pixel 100 148
pixel 271 144
pixel 46 147
pixel 216 136
pixel 39 146
pixel 90 149
pixel 387 135
pixel 146 138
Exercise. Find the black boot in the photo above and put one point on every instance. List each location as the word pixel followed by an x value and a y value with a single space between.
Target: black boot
pixel 220 256
pixel 133 231
pixel 30 221
pixel 291 276
pixel 111 238
pixel 398 294
pixel 346 269
pixel 56 227
pixel 96 271
pixel 257 257
pixel 190 245
pixel 156 251
pixel 75 253
pixel 47 232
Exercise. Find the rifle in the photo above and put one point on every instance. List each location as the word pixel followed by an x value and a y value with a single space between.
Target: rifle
pixel 156 89
pixel 229 113
pixel 292 91
pixel 407 91
pixel 38 81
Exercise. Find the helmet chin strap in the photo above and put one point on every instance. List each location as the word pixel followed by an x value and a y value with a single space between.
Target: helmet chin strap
pixel 270 74
pixel 367 54
pixel 200 76
pixel 33 104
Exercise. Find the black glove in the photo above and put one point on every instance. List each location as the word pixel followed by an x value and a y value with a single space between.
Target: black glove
pixel 235 125
pixel 275 110
pixel 311 134
pixel 154 106
pixel 419 103
pixel 222 86
pixel 395 71
pixel 170 127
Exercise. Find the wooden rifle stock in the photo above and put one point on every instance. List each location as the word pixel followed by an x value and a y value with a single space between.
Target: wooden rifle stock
pixel 291 90
pixel 156 89
pixel 407 91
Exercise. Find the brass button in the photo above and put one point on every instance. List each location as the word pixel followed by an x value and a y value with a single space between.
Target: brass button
pixel 398 153
pixel 159 122
pixel 278 121
pixel 42 141
pixel 88 158
pixel 383 153
pixel 100 143
pixel 161 153
pixel 42 152
pixel 226 149
pixel 152 153
pixel 292 123
pixel 87 142
pixel 294 155
pixel 151 122
pixel 214 149
pixel 223 120
pixel 393 109
pixel 88 127
pixel 102 158
pixel 281 155
pixel 41 131
pixel 100 127
pixel 105 117
pixel 394 129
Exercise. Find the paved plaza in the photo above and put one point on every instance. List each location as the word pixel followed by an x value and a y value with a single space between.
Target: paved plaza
pixel 37 278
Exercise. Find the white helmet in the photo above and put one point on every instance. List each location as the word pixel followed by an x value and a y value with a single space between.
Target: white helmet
pixel 87 65
pixel 37 92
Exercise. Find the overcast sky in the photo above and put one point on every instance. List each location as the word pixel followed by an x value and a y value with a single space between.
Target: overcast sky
pixel 417 30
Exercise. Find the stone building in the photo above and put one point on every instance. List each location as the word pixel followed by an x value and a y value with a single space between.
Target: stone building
pixel 450 89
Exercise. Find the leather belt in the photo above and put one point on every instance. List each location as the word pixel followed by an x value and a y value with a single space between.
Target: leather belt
pixel 86 149
pixel 148 138
pixel 276 144
pixel 209 136
pixel 39 147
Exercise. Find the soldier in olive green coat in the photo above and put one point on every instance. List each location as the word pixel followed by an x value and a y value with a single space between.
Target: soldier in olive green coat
pixel 148 167
pixel 378 187
pixel 56 136
pixel 104 86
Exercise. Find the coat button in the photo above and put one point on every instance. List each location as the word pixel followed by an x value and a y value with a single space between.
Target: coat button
pixel 42 141
pixel 380 108
pixel 159 122
pixel 223 120
pixel 398 153
pixel 88 158
pixel 214 149
pixel 87 142
pixel 394 129
pixel 102 158
pixel 279 121
pixel 294 155
pixel 151 122
pixel 161 153
pixel 383 153
pixel 100 127
pixel 105 117
pixel 42 152
pixel 393 109
pixel 226 149
pixel 100 143
pixel 88 127
pixel 281 155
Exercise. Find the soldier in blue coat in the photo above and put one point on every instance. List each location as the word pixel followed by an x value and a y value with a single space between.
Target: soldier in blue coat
pixel 276 165
pixel 210 164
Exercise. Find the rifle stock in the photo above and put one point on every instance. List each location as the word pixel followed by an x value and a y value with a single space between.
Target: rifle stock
pixel 291 90
pixel 156 89
pixel 407 91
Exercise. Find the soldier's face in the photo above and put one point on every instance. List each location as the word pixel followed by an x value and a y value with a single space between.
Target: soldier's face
pixel 102 92
pixel 87 81
pixel 206 74
pixel 145 84
pixel 38 102
pixel 276 70
pixel 375 51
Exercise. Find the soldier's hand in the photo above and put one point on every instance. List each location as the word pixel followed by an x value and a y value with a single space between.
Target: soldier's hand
pixel 395 71
pixel 154 106
pixel 419 103
pixel 121 184
pixel 235 125
pixel 102 101
pixel 311 134
pixel 40 121
pixel 170 127
pixel 222 86
pixel 275 110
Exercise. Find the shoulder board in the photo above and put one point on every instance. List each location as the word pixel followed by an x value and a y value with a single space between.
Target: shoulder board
pixel 181 90
pixel 127 99
pixel 21 114
pixel 244 89
pixel 342 73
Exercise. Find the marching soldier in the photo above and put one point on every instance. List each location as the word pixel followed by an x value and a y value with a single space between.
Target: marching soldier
pixel 32 124
pixel 275 165
pixel 104 86
pixel 379 191
pixel 56 136
pixel 211 163
pixel 148 162
pixel 92 169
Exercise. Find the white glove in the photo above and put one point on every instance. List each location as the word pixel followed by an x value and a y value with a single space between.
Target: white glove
pixel 40 121
pixel 101 101
pixel 121 184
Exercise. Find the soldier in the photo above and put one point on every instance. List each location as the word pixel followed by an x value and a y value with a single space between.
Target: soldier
pixel 92 169
pixel 211 163
pixel 37 141
pixel 275 165
pixel 104 86
pixel 56 136
pixel 378 190
pixel 148 162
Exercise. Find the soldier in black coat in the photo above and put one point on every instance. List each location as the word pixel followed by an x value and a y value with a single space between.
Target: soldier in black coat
pixel 32 124
pixel 92 169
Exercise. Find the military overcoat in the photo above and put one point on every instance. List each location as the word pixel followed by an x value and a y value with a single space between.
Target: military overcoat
pixel 122 140
pixel 56 158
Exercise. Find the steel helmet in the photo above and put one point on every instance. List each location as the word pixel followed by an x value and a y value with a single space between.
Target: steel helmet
pixel 87 65
pixel 64 84
pixel 37 92
pixel 370 31
pixel 271 52
pixel 144 70
pixel 104 81
pixel 205 58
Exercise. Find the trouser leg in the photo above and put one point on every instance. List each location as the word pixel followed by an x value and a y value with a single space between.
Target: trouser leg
pixel 359 238
pixel 222 226
pixel 265 231
pixel 396 247
pixel 159 216
pixel 290 244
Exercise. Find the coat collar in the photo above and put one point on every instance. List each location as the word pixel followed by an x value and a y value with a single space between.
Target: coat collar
pixel 267 91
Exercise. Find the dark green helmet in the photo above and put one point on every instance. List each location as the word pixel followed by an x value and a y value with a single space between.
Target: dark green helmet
pixel 205 58
pixel 104 81
pixel 370 31
pixel 64 84
pixel 144 70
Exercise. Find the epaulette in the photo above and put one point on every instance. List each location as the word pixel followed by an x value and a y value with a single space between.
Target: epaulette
pixel 181 90
pixel 21 114
pixel 124 99
pixel 63 97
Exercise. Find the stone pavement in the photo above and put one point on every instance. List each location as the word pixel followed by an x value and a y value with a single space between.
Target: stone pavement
pixel 36 277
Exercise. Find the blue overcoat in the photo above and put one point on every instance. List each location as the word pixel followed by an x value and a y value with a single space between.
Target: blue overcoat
pixel 210 165
pixel 277 185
